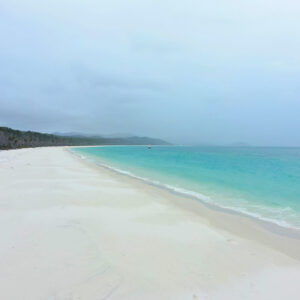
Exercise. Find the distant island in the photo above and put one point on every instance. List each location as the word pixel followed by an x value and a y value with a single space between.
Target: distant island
pixel 13 139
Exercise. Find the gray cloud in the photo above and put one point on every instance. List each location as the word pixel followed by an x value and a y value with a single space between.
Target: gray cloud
pixel 192 71
pixel 95 79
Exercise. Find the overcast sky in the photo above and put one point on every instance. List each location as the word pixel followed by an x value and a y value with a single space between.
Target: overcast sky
pixel 192 71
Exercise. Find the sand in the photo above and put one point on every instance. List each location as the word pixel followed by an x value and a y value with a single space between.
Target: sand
pixel 73 230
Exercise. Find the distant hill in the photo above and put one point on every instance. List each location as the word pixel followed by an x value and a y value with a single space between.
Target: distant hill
pixel 79 134
pixel 12 139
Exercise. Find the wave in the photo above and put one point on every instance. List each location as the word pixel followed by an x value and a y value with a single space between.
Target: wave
pixel 206 199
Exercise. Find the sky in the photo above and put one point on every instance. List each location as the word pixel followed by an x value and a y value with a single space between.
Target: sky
pixel 192 71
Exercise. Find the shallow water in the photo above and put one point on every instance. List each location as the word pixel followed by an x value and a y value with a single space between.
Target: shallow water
pixel 261 182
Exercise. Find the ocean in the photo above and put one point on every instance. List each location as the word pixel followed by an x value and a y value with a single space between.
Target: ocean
pixel 261 182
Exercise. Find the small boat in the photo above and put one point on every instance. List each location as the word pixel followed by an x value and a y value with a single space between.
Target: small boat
pixel 149 147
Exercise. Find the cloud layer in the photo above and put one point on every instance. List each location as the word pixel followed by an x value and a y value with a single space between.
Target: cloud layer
pixel 188 71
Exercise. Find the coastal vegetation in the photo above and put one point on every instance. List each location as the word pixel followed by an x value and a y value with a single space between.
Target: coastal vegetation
pixel 13 139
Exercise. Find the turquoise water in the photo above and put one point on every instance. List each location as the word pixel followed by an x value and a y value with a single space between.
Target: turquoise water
pixel 261 182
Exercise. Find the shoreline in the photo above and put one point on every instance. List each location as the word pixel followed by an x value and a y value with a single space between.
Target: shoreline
pixel 72 229
pixel 271 226
pixel 265 232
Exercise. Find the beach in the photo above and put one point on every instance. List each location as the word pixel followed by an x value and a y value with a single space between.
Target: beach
pixel 73 230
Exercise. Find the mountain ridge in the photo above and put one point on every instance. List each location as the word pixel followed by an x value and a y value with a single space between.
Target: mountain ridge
pixel 13 139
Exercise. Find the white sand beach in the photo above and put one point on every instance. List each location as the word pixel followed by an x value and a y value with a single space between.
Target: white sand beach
pixel 73 230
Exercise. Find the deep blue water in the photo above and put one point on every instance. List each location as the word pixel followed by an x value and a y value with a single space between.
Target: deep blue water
pixel 262 182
